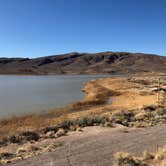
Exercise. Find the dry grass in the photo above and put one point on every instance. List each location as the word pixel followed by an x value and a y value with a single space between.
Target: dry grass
pixel 147 159
pixel 121 90
pixel 15 125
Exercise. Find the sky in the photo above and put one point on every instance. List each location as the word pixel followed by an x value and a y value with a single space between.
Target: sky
pixel 34 28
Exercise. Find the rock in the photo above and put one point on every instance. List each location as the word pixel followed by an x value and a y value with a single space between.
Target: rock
pixel 73 128
pixel 60 132
pixel 79 129
pixel 141 116
pixel 28 149
pixel 50 134
pixel 108 124
pixel 21 151
pixel 51 147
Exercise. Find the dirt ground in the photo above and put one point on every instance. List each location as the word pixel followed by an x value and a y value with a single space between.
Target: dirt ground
pixel 95 146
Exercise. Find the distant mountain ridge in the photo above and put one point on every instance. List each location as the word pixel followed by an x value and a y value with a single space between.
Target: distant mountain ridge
pixel 85 63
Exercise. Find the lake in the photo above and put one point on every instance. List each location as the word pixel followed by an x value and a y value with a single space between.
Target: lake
pixel 35 94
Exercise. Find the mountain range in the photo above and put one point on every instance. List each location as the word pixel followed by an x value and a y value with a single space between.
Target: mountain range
pixel 85 63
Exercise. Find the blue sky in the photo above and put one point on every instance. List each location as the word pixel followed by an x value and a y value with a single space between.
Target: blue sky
pixel 33 28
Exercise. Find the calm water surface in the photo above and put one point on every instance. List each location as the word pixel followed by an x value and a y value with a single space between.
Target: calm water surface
pixel 33 94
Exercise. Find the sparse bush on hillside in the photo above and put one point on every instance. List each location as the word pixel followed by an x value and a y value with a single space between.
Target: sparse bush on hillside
pixel 6 155
pixel 14 139
pixel 30 136
pixel 161 111
pixel 147 116
pixel 48 129
pixel 84 121
pixel 150 108
pixel 3 142
pixel 148 159
pixel 125 159
pixel 66 124
pixel 123 118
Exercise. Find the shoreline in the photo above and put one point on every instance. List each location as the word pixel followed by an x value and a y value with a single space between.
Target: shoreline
pixel 131 97
pixel 95 95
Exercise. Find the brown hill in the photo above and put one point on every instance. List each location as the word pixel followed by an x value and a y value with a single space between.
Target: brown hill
pixel 85 63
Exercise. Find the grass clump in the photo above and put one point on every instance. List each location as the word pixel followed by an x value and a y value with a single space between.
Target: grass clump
pixel 6 155
pixel 66 124
pixel 49 129
pixel 123 118
pixel 84 121
pixel 147 159
pixel 30 136
pixel 14 139
pixel 125 159
pixel 161 111
pixel 90 121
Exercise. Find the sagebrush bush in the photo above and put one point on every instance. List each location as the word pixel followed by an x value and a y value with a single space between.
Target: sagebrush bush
pixel 29 136
pixel 14 139
pixel 123 118
pixel 48 129
pixel 84 121
pixel 125 159
pixel 66 124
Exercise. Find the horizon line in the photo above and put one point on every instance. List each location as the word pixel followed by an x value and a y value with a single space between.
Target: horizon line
pixel 80 52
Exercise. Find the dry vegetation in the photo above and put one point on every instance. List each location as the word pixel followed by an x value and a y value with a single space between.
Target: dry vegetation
pixel 147 159
pixel 131 102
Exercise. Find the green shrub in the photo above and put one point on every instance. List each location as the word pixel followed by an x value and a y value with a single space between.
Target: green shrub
pixel 91 121
pixel 48 129
pixel 125 159
pixel 123 118
pixel 83 122
pixel 30 136
pixel 66 124
pixel 14 139
pixel 129 162
pixel 150 108
pixel 3 142
pixel 161 111
pixel 6 155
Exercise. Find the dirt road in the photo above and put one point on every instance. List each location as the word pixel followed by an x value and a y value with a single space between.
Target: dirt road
pixel 95 146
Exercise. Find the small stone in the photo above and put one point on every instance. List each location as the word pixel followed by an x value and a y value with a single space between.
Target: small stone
pixel 21 151
pixel 108 124
pixel 60 132
pixel 73 128
pixel 79 129
pixel 140 116
pixel 50 134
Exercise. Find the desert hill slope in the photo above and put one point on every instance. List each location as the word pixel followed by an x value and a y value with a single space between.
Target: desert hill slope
pixel 85 63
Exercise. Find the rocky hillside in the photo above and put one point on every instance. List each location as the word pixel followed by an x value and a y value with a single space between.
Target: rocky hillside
pixel 85 63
